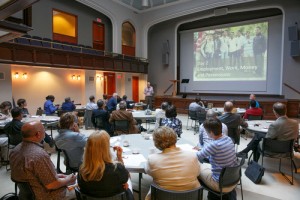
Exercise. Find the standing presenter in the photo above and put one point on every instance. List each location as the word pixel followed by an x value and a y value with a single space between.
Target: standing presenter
pixel 148 91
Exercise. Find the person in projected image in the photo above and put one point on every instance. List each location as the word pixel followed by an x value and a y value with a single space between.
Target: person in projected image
pixel 259 48
pixel 248 50
pixel 224 47
pixel 217 50
pixel 239 48
pixel 232 50
pixel 207 50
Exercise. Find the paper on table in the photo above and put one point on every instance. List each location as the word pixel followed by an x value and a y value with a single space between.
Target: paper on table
pixel 34 116
pixel 114 139
pixel 186 147
pixel 134 160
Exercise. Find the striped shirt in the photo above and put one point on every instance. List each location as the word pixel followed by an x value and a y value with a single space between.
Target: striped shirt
pixel 221 154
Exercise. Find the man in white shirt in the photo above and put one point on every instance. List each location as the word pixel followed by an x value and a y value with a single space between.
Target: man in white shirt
pixel 148 91
pixel 160 113
pixel 91 105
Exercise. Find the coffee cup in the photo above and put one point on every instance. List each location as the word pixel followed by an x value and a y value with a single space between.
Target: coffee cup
pixel 125 143
pixel 147 137
pixel 135 151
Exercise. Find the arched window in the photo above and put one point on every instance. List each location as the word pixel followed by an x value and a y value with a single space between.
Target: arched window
pixel 128 39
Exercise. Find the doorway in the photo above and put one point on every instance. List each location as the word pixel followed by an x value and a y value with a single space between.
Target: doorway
pixel 135 88
pixel 109 83
pixel 98 36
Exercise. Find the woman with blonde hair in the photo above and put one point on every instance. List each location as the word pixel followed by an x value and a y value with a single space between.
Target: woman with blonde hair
pixel 99 175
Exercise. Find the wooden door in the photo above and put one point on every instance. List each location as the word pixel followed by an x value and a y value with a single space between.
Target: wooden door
pixel 109 83
pixel 98 36
pixel 135 88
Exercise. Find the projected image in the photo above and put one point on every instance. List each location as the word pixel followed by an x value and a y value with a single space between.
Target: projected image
pixel 231 53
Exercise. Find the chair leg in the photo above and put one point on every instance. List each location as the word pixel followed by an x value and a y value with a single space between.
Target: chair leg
pixel 187 123
pixel 294 166
pixel 241 189
pixel 290 181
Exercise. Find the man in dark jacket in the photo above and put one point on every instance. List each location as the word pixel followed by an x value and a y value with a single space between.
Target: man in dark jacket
pixel 13 128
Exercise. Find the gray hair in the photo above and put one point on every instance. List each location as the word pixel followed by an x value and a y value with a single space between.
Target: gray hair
pixel 164 137
pixel 122 105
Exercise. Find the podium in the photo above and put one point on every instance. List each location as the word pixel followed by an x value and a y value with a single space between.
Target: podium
pixel 174 87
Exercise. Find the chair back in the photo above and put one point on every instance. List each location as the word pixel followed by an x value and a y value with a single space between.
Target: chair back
pixel 39 112
pixel 160 121
pixel 201 116
pixel 158 193
pixel 99 123
pixel 69 169
pixel 277 146
pixel 88 119
pixel 231 175
pixel 255 117
pixel 192 114
pixel 81 196
pixel 121 126
pixel 234 134
pixel 25 191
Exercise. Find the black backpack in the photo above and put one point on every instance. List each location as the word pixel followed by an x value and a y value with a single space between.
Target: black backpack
pixel 10 196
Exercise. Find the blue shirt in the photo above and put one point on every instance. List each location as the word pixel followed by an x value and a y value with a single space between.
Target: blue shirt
pixel 221 154
pixel 173 123
pixel 73 143
pixel 111 104
pixel 49 108
pixel 68 106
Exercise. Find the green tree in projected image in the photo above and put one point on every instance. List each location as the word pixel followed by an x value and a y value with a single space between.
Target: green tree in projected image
pixel 231 53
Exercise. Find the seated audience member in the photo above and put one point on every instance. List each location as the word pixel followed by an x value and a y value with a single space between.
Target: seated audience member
pixel 232 121
pixel 253 97
pixel 253 110
pixel 282 129
pixel 172 121
pixel 197 105
pixel 221 153
pixel 68 105
pixel 173 168
pixel 160 113
pixel 103 115
pixel 204 138
pixel 123 114
pixel 49 108
pixel 91 105
pixel 129 103
pixel 30 157
pixel 112 103
pixel 22 105
pixel 13 128
pixel 70 140
pixel 99 176
pixel 105 99
pixel 5 108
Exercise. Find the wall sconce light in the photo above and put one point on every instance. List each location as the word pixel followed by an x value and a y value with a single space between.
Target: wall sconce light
pixel 78 77
pixel 73 77
pixel 99 78
pixel 24 76
pixel 16 75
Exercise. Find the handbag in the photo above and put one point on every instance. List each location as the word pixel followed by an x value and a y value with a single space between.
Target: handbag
pixel 10 196
pixel 255 172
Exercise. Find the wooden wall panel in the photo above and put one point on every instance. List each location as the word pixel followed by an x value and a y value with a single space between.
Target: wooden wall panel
pixel 14 53
pixel 24 55
pixel 267 106
pixel 6 53
pixel 43 57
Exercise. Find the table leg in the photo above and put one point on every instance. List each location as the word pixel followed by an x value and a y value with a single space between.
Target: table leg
pixel 139 191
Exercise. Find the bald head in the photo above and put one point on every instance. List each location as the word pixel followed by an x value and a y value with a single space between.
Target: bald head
pixel 33 131
pixel 279 109
pixel 211 114
pixel 228 106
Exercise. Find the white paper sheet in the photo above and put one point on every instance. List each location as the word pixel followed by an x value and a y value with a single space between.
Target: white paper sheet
pixel 186 147
pixel 134 160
